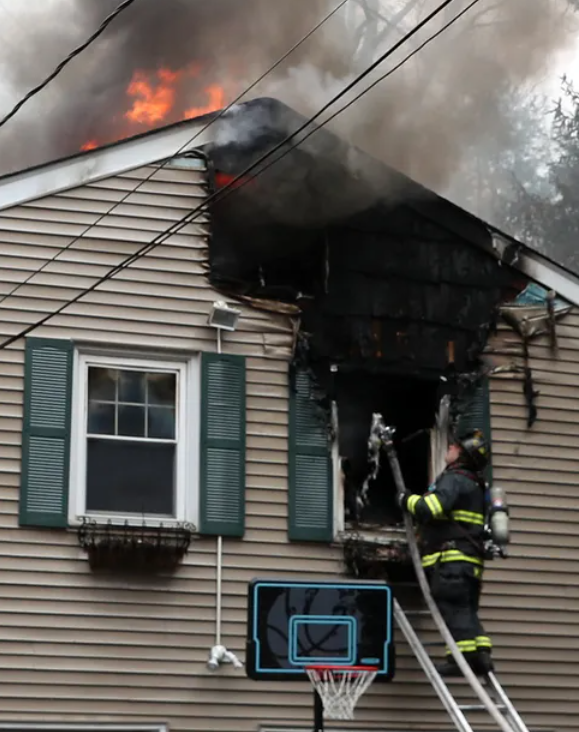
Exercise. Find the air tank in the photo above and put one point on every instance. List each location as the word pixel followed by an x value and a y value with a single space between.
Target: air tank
pixel 499 516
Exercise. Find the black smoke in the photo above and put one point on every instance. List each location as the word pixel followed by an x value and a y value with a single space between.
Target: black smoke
pixel 232 41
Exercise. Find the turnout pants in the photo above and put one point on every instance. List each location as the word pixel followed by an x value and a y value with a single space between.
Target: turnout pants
pixel 456 589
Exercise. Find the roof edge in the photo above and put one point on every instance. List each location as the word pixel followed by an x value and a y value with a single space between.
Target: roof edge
pixel 545 271
pixel 163 143
pixel 91 166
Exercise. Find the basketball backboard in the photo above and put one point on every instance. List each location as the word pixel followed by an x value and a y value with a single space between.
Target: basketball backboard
pixel 292 625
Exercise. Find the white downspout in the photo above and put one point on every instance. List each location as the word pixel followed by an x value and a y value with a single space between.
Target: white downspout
pixel 218 599
pixel 219 654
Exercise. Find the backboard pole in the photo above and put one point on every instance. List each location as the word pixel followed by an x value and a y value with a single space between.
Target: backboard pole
pixel 318 713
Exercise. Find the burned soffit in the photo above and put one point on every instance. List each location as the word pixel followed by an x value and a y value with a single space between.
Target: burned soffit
pixel 394 277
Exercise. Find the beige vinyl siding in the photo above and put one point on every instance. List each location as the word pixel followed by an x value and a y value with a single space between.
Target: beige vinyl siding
pixel 90 647
pixel 531 600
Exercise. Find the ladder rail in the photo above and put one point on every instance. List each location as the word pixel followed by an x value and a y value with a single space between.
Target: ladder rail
pixel 501 694
pixel 492 709
pixel 448 701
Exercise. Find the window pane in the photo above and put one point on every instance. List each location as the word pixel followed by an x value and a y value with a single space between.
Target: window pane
pixel 161 423
pixel 101 419
pixel 130 478
pixel 101 384
pixel 161 389
pixel 132 386
pixel 131 421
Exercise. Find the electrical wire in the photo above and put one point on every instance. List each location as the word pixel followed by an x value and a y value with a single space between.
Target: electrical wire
pixel 364 91
pixel 237 182
pixel 401 63
pixel 183 147
pixel 231 187
pixel 63 64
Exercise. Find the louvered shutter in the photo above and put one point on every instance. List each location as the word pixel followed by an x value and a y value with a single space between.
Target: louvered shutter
pixel 46 433
pixel 476 414
pixel 223 405
pixel 310 467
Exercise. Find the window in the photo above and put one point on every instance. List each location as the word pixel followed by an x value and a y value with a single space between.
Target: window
pixel 328 450
pixel 122 438
pixel 405 402
pixel 131 425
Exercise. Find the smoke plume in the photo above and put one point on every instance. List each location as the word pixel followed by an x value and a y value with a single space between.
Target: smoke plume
pixel 422 120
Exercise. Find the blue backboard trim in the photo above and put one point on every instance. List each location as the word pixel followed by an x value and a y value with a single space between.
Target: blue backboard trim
pixel 297 660
pixel 293 651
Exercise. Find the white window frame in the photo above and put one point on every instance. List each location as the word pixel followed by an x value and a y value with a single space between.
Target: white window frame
pixel 187 430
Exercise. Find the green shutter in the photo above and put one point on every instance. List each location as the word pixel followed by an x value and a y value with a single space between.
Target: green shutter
pixel 311 502
pixel 46 433
pixel 476 414
pixel 223 404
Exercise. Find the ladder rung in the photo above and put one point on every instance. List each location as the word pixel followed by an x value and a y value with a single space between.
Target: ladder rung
pixel 478 707
pixel 414 613
pixel 433 644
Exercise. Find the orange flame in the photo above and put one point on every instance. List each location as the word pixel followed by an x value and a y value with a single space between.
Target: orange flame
pixel 160 97
pixel 216 100
pixel 153 102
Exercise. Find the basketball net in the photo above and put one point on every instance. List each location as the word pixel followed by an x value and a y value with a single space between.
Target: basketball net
pixel 339 687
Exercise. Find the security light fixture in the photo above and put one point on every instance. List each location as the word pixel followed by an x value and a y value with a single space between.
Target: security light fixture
pixel 223 317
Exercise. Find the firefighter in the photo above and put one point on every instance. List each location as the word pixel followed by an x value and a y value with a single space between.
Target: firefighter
pixel 451 517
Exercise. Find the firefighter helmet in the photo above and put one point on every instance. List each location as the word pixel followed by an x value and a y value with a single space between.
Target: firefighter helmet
pixel 475 449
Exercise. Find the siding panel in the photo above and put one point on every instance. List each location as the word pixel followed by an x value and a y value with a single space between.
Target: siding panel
pixel 77 645
pixel 531 600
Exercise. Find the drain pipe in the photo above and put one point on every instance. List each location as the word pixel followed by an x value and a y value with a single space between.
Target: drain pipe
pixel 219 582
pixel 219 653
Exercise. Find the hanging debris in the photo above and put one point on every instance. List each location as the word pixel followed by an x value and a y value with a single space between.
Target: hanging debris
pixel 534 312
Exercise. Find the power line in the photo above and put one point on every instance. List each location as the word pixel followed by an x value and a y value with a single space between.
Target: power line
pixel 377 81
pixel 232 185
pixel 77 51
pixel 142 182
pixel 227 190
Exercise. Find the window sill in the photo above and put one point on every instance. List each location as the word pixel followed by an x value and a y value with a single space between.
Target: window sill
pixel 137 547
pixel 382 535
pixel 133 522
pixel 376 553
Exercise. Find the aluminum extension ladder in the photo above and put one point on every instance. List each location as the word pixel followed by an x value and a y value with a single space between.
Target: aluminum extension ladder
pixel 491 696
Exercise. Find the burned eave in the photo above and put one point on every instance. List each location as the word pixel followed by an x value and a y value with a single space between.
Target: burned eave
pixel 389 277
pixel 398 291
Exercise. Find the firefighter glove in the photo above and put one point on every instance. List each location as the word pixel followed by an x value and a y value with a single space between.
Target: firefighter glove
pixel 402 499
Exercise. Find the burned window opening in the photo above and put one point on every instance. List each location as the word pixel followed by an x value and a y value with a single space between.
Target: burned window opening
pixel 407 403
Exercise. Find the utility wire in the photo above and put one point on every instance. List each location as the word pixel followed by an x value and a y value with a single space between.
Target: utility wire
pixel 371 86
pixel 189 142
pixel 77 51
pixel 233 186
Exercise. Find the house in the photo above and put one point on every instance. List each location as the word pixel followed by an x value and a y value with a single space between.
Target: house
pixel 150 469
